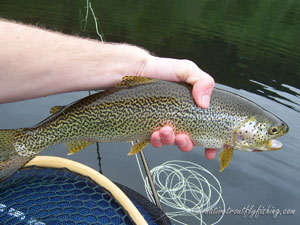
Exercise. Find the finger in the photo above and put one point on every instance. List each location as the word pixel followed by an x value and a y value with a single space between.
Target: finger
pixel 155 140
pixel 183 71
pixel 202 82
pixel 202 91
pixel 167 135
pixel 210 153
pixel 184 143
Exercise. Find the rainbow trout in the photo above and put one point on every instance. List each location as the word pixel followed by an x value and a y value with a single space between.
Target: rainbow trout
pixel 133 110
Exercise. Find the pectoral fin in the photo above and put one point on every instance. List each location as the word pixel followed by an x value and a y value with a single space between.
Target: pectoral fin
pixel 225 157
pixel 137 147
pixel 75 146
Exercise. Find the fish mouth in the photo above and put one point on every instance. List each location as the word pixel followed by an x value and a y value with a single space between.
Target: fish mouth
pixel 274 145
pixel 257 150
pixel 271 145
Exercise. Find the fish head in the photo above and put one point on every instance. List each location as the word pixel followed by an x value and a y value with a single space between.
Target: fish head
pixel 258 133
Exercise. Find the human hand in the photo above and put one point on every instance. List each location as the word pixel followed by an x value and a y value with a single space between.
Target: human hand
pixel 181 71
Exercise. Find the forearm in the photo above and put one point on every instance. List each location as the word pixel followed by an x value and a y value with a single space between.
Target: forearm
pixel 36 62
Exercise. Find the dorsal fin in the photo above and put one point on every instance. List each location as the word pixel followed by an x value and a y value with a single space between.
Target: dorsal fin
pixel 56 109
pixel 130 81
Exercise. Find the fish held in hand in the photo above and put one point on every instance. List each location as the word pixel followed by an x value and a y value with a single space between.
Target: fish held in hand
pixel 135 108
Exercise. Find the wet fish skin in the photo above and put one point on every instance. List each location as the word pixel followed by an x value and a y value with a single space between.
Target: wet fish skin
pixel 133 110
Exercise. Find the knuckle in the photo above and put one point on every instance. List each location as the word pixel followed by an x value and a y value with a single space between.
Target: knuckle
pixel 186 69
pixel 189 65
pixel 210 82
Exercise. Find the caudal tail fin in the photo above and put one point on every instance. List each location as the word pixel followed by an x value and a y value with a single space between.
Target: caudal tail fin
pixel 10 161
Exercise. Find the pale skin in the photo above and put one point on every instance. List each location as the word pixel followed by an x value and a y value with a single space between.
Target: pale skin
pixel 36 63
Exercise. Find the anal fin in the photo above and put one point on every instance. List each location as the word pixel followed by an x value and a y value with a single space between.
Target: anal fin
pixel 137 147
pixel 225 157
pixel 76 146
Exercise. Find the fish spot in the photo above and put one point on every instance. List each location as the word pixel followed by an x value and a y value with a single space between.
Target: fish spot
pixel 22 150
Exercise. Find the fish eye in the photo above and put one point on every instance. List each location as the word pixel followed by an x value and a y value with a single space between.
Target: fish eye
pixel 273 130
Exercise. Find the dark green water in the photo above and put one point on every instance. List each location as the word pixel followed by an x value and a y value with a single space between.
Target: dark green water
pixel 249 47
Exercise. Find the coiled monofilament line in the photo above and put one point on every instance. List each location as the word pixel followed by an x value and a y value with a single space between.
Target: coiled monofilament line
pixel 187 189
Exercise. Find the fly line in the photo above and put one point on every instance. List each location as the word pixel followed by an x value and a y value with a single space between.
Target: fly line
pixel 186 189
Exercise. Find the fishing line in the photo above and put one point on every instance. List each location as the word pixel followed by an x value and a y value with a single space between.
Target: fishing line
pixel 89 7
pixel 85 20
pixel 186 190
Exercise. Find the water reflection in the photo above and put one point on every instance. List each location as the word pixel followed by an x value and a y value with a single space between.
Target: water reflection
pixel 286 95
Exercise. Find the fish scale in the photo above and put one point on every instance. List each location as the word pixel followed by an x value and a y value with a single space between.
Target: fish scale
pixel 133 110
